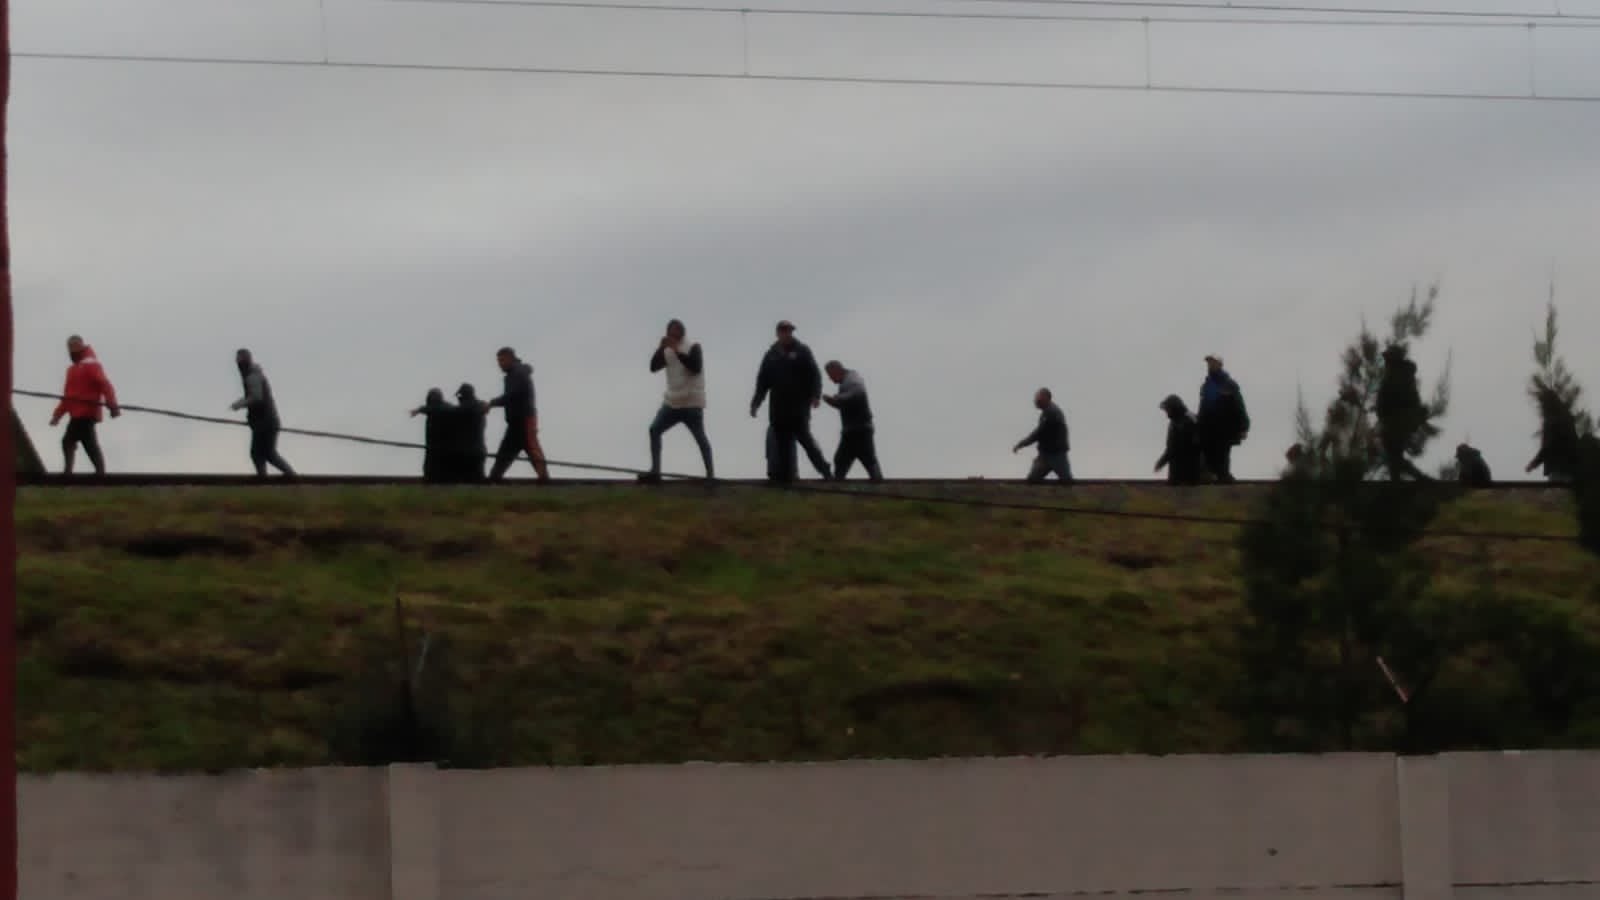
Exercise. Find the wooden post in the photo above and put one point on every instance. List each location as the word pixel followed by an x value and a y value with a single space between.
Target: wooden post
pixel 8 500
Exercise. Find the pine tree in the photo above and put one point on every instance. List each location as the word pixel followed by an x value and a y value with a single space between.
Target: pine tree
pixel 1332 584
pixel 1362 420
pixel 1558 398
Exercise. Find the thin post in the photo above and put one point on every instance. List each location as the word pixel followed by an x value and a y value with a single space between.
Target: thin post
pixel 8 499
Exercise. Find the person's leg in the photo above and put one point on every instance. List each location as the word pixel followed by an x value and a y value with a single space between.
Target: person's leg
pixel 91 447
pixel 695 421
pixel 1062 466
pixel 1038 470
pixel 813 452
pixel 258 452
pixel 773 470
pixel 665 418
pixel 867 451
pixel 273 456
pixel 535 451
pixel 788 462
pixel 844 457
pixel 510 446
pixel 69 446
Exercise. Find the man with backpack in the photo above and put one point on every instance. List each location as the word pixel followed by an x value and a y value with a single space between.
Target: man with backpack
pixel 1223 421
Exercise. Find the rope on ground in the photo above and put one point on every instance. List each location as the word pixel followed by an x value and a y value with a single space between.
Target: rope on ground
pixel 820 489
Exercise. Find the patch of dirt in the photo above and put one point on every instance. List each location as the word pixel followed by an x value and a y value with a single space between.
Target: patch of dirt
pixel 178 544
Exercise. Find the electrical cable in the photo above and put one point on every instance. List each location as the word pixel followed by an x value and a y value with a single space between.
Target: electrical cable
pixel 614 5
pixel 1125 87
pixel 1308 10
pixel 801 487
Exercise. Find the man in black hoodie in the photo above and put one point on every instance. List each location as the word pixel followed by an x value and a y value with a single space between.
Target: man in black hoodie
pixel 1051 437
pixel 261 412
pixel 791 380
pixel 1182 456
pixel 522 417
pixel 469 447
pixel 437 434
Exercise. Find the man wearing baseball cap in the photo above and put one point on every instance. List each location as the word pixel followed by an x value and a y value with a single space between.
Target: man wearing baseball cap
pixel 1223 421
pixel 791 381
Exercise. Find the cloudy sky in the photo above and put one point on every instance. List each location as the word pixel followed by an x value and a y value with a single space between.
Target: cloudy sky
pixel 373 233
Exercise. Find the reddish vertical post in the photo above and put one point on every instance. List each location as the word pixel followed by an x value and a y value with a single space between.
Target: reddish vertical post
pixel 8 499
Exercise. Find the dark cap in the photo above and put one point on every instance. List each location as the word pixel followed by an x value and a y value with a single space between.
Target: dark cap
pixel 785 325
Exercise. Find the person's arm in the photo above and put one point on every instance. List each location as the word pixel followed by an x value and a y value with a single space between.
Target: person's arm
pixel 763 383
pixel 1033 436
pixel 814 372
pixel 1537 461
pixel 692 360
pixel 61 407
pixel 658 359
pixel 253 393
pixel 106 391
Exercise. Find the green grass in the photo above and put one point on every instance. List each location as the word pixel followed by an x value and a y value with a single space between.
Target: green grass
pixel 613 625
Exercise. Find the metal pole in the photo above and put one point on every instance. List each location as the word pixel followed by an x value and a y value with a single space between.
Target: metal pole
pixel 8 499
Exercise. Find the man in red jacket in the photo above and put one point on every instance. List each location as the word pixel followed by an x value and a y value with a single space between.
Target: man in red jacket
pixel 86 391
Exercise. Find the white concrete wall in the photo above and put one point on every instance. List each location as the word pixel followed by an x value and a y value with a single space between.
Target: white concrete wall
pixel 1339 827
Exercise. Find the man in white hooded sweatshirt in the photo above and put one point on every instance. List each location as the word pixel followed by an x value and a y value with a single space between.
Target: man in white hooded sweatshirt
pixel 685 399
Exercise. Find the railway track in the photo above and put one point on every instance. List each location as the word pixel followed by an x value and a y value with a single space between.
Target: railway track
pixel 143 480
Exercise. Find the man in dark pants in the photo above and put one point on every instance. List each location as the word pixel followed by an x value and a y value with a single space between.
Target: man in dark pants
pixel 856 434
pixel 1051 436
pixel 86 391
pixel 1182 456
pixel 790 374
pixel 469 445
pixel 261 412
pixel 1223 421
pixel 522 417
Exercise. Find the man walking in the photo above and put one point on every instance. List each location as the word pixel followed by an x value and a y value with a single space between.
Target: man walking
pixel 684 401
pixel 1051 437
pixel 856 438
pixel 522 417
pixel 261 412
pixel 790 374
pixel 1182 456
pixel 1223 421
pixel 87 389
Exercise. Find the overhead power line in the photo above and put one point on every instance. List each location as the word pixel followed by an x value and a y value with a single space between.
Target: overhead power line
pixel 801 487
pixel 1309 10
pixel 1124 87
pixel 614 5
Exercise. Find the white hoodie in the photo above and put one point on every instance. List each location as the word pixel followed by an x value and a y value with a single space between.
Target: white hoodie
pixel 685 389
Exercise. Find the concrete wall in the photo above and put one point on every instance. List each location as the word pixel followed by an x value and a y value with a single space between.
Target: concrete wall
pixel 1341 827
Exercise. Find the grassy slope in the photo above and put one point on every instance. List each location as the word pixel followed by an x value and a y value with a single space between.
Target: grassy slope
pixel 624 625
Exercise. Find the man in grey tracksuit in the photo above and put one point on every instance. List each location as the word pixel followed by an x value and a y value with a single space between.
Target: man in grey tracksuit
pixel 261 412
pixel 856 433
pixel 1051 438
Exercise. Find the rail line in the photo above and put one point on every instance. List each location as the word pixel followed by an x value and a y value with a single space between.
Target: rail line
pixel 143 479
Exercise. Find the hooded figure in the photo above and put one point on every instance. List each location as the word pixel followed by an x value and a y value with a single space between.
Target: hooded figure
pixel 86 391
pixel 1182 457
pixel 1472 470
pixel 1558 439
pixel 261 413
pixel 1401 414
pixel 469 443
pixel 436 436
pixel 522 417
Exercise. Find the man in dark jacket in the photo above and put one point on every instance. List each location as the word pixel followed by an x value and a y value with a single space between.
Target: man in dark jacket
pixel 261 412
pixel 1223 422
pixel 856 432
pixel 1402 417
pixel 469 438
pixel 791 381
pixel 1558 438
pixel 1051 437
pixel 522 417
pixel 1472 470
pixel 1182 456
pixel 437 435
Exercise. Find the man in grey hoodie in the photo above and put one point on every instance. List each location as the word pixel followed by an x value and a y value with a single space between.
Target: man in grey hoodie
pixel 522 417
pixel 1051 438
pixel 261 412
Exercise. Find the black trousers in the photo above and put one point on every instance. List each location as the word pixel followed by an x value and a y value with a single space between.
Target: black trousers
pixel 264 450
pixel 857 444
pixel 783 464
pixel 1218 454
pixel 82 432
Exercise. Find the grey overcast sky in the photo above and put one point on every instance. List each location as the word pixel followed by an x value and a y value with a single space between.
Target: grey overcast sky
pixel 374 233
